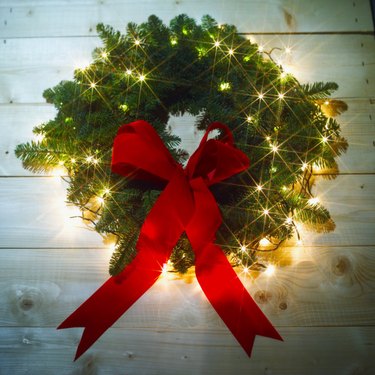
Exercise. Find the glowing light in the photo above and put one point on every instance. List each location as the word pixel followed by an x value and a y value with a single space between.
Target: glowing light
pixel 39 137
pixel 81 65
pixel 259 187
pixel 266 212
pixel 260 48
pixel 164 270
pixel 288 50
pixel 104 55
pixel 106 191
pixel 100 200
pixel 283 74
pixel 304 166
pixel 249 119
pixel 61 162
pixel 89 159
pixel 284 188
pixel 324 139
pixel 289 220
pixel 313 201
pixel 217 44
pixel 326 102
pixel 264 242
pixel 92 84
pixel 231 52
pixel 243 248
pixel 72 160
pixel 137 42
pixel 270 270
pixel 95 161
pixel 268 138
pixel 224 86
pixel 246 269
pixel 281 96
pixel 274 148
pixel 299 242
pixel 142 77
pixel 260 96
pixel 128 72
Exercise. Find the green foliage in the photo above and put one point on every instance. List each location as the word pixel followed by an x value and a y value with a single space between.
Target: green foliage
pixel 208 70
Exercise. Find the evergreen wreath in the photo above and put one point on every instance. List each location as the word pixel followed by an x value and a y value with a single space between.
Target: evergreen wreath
pixel 216 74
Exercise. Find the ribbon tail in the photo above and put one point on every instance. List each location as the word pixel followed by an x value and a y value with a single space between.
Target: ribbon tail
pixel 230 298
pixel 115 297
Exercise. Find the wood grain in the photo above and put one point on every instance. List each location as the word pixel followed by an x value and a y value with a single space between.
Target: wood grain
pixel 309 291
pixel 40 63
pixel 59 18
pixel 307 351
pixel 34 214
pixel 357 126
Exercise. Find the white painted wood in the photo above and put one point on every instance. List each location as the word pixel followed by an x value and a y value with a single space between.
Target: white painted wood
pixel 321 297
pixel 66 18
pixel 34 214
pixel 40 63
pixel 307 351
pixel 357 126
pixel 308 290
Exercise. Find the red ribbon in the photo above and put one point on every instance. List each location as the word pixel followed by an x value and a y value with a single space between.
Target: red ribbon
pixel 185 204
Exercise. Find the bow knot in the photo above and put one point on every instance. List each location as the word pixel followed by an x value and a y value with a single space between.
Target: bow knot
pixel 185 205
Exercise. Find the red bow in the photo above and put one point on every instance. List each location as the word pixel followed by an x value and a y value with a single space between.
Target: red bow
pixel 186 204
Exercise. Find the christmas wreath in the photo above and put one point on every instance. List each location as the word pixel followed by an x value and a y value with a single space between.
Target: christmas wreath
pixel 210 71
pixel 286 130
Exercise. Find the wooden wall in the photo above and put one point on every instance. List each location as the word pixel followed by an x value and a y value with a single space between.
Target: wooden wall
pixel 322 301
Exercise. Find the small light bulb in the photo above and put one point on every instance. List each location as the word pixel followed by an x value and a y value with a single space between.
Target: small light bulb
pixel 284 188
pixel 260 96
pixel 243 248
pixel 264 242
pixel 289 220
pixel 274 148
pixel 249 119
pixel 324 139
pixel 313 201
pixel 283 74
pixel 164 270
pixel 304 166
pixel 104 55
pixel 288 50
pixel 246 269
pixel 231 52
pixel 100 200
pixel 95 161
pixel 72 160
pixel 270 270
pixel 92 84
pixel 299 242
pixel 137 42
pixel 89 159
pixel 107 191
pixel 260 48
pixel 217 44
pixel 326 102
pixel 128 72
pixel 281 96
pixel 259 187
pixel 61 162
pixel 39 137
pixel 268 138
pixel 266 212
pixel 142 77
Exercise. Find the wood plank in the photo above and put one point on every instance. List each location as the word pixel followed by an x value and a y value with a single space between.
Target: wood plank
pixel 34 214
pixel 17 121
pixel 308 351
pixel 64 18
pixel 29 66
pixel 45 220
pixel 311 287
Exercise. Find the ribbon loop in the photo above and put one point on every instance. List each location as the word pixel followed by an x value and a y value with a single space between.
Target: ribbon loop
pixel 185 204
